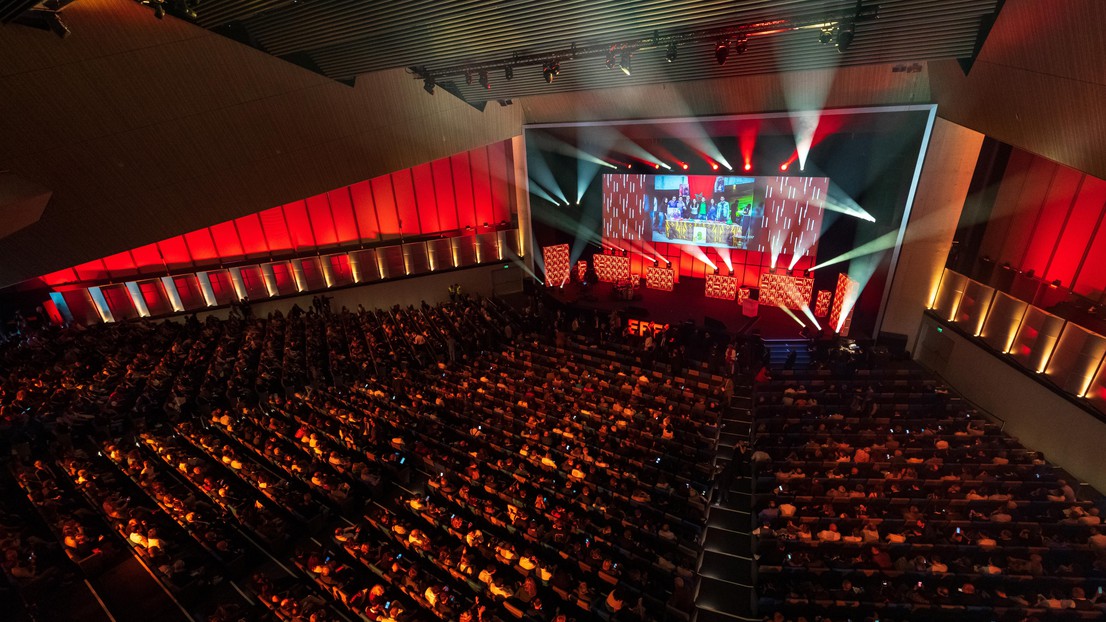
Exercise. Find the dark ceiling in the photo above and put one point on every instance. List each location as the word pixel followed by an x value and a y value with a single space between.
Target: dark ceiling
pixel 345 38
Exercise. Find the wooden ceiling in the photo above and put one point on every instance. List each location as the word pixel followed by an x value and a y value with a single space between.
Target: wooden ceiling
pixel 147 128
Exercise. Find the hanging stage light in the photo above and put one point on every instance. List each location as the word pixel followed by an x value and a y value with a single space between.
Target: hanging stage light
pixel 741 45
pixel 670 55
pixel 508 72
pixel 428 85
pixel 722 52
pixel 624 65
pixel 845 37
pixel 547 73
pixel 611 60
pixel 484 79
pixel 468 77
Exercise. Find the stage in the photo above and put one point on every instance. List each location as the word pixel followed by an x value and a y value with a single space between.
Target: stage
pixel 686 302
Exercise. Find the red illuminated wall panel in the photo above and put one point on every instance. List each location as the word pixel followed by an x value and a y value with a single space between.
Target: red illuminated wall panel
pixel 253 283
pixel 425 198
pixel 282 278
pixel 299 225
pixel 1050 219
pixel 119 302
pixel 462 190
pixel 481 186
pixel 822 303
pixel 406 205
pixel 252 235
pixel 312 273
pixel 201 248
pixel 345 222
pixel 80 306
pixel 91 271
pixel 339 269
pixel 385 201
pixel 188 288
pixel 226 240
pixel 1076 235
pixel 443 188
pixel 222 287
pixel 322 221
pixel 276 230
pixel 119 265
pixel 153 294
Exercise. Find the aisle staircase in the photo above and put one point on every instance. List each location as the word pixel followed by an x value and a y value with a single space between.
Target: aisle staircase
pixel 778 349
pixel 725 592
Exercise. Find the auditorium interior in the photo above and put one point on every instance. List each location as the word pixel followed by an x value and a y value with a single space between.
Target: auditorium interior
pixel 552 311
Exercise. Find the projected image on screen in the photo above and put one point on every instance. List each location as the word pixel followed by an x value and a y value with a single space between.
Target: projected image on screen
pixel 782 215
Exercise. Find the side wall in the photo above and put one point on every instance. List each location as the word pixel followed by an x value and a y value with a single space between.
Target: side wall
pixel 942 187
pixel 1041 419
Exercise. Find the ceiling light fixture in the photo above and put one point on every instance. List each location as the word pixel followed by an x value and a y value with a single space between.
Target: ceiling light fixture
pixel 624 65
pixel 670 54
pixel 722 52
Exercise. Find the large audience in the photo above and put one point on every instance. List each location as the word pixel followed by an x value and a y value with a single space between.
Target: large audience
pixel 471 461
pixel 434 462
pixel 887 498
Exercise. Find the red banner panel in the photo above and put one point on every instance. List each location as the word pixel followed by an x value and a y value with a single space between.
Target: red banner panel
pixel 659 278
pixel 188 288
pixel 340 272
pixel 501 193
pixel 611 268
pixel 222 287
pixel 462 190
pixel 556 264
pixel 721 287
pixel 254 283
pixel 386 214
pixel 784 290
pixel 153 294
pixel 481 186
pixel 406 205
pixel 822 303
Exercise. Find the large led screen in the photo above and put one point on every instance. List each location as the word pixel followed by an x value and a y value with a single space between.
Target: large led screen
pixel 782 215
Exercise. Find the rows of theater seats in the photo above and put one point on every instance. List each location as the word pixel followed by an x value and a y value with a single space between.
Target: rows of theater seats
pixel 585 506
pixel 197 500
pixel 887 498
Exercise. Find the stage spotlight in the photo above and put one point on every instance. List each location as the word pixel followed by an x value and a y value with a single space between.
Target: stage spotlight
pixel 428 85
pixel 714 165
pixel 826 36
pixel 783 167
pixel 611 60
pixel 159 10
pixel 845 38
pixel 670 55
pixel 683 165
pixel 722 52
pixel 657 166
pixel 741 45
pixel 629 166
pixel 547 73
pixel 508 72
pixel 624 65
pixel 748 166
pixel 468 77
pixel 484 80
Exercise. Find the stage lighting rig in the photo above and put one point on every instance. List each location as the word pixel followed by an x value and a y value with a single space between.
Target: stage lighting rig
pixel 837 28
pixel 484 80
pixel 508 73
pixel 624 64
pixel 721 52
